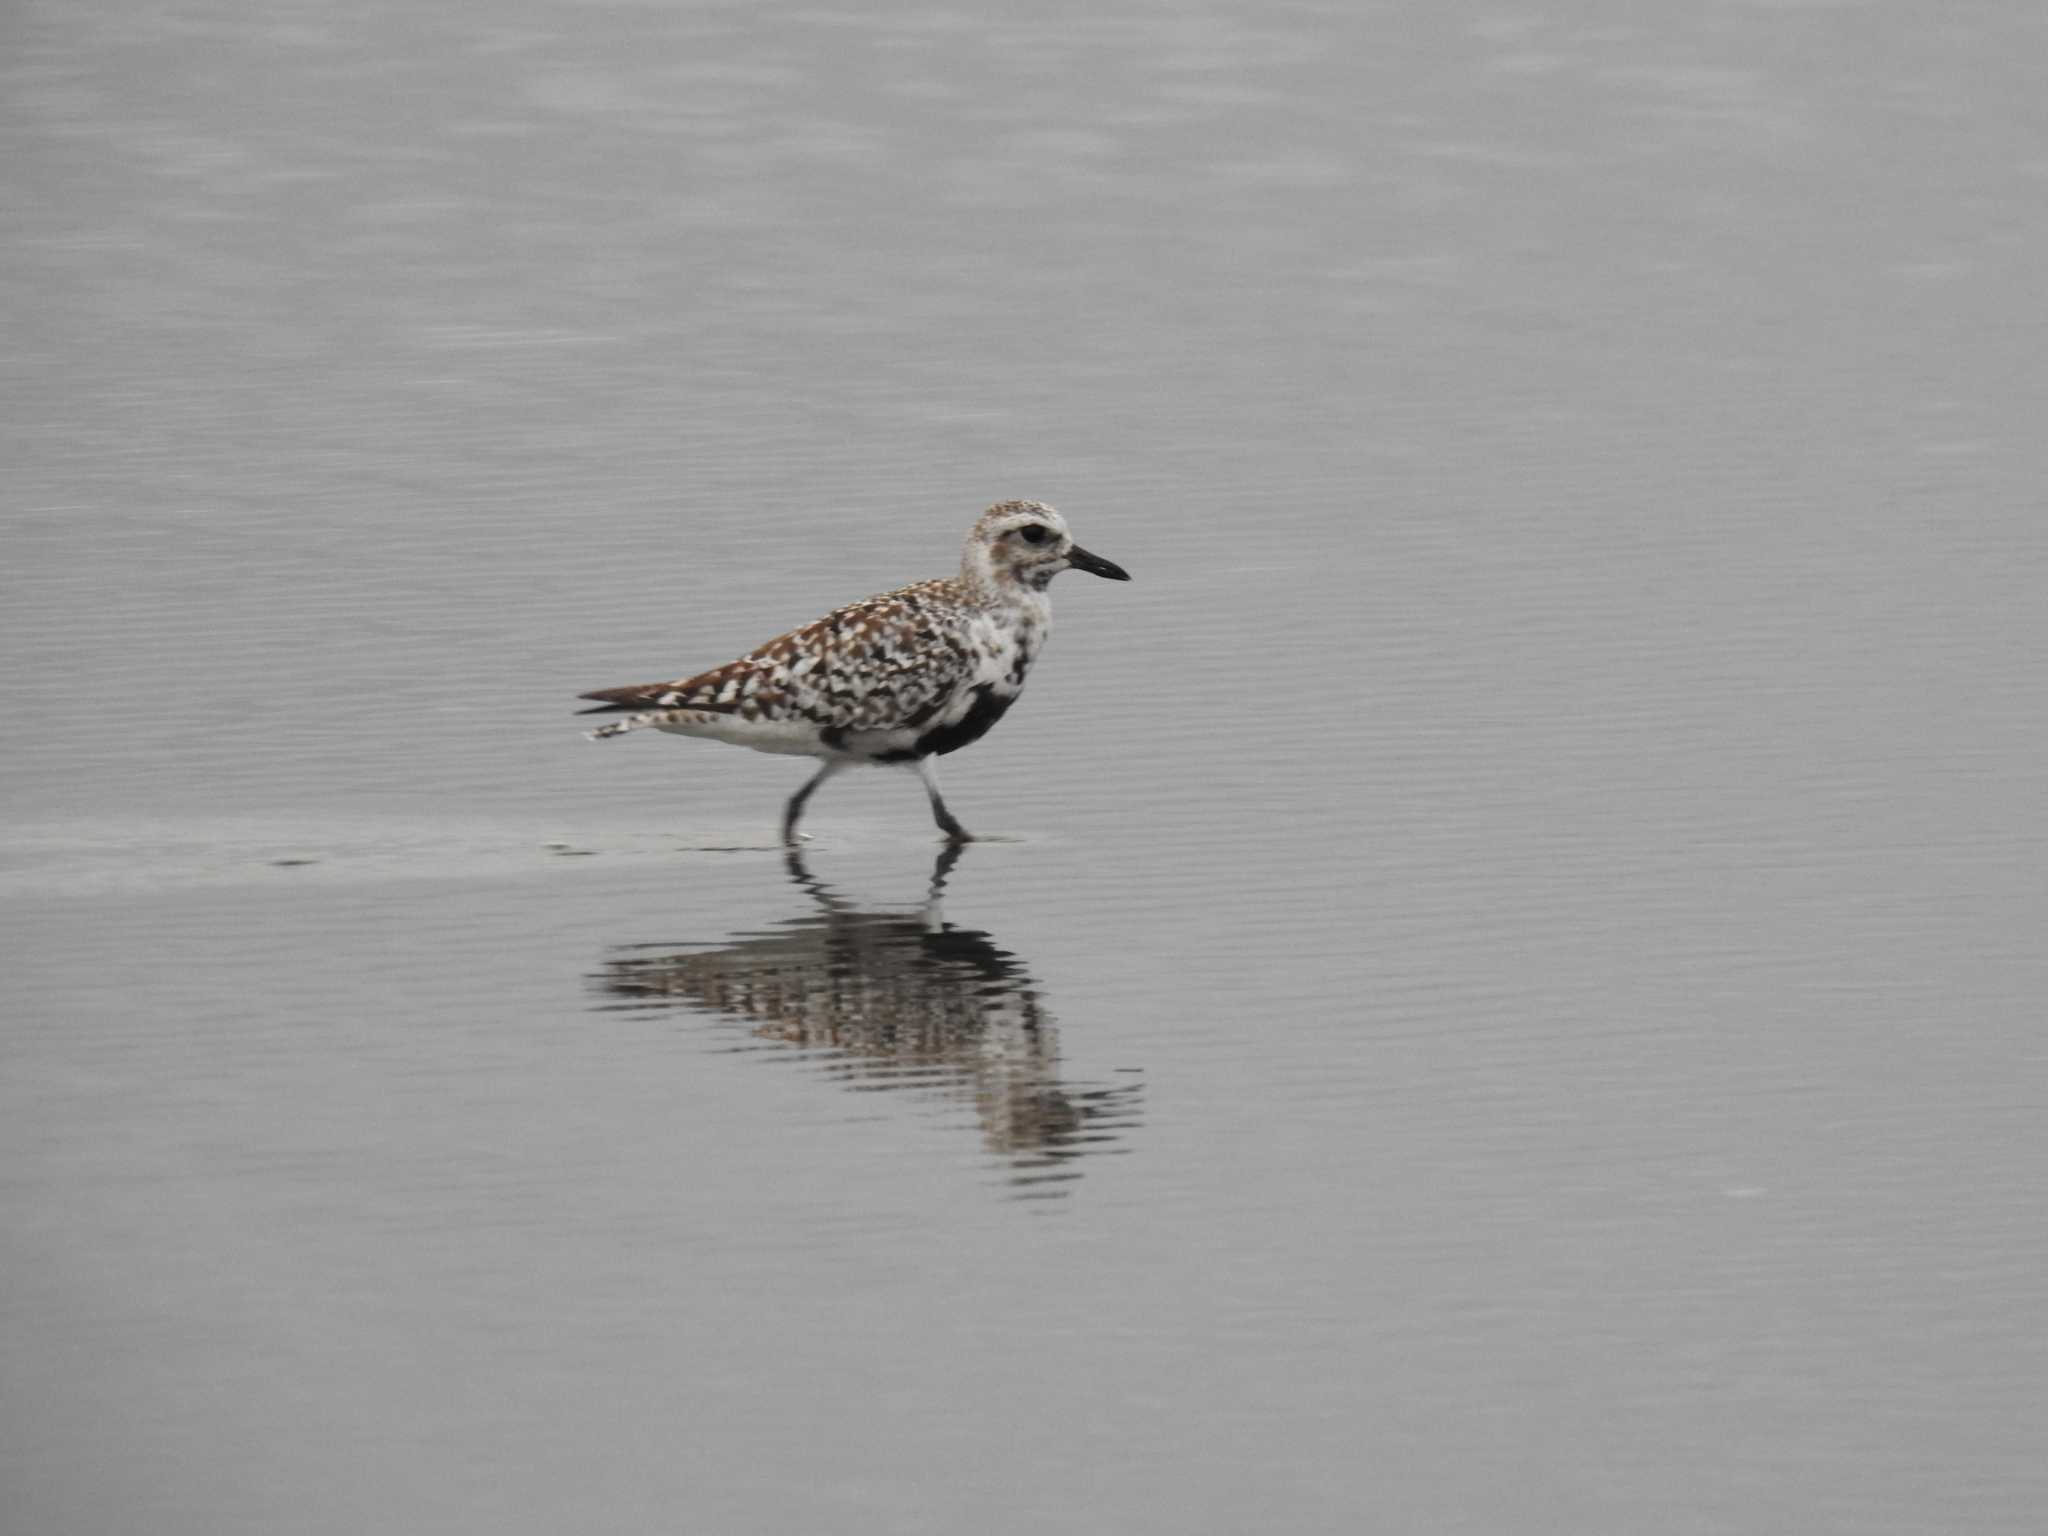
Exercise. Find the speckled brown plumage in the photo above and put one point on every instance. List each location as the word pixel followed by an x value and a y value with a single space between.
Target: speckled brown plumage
pixel 901 677
pixel 871 665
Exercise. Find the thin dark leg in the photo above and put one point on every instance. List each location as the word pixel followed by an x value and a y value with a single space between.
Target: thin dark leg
pixel 795 808
pixel 955 833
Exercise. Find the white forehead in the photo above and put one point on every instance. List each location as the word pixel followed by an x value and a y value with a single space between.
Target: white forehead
pixel 1005 515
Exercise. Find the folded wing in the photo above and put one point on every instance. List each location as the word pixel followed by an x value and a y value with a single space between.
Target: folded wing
pixel 874 666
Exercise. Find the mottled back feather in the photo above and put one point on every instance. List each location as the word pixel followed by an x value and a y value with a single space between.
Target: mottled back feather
pixel 887 662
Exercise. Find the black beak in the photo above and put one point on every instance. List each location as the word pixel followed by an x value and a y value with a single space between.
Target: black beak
pixel 1095 565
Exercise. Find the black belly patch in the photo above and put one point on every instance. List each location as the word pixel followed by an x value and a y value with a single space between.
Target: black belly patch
pixel 988 707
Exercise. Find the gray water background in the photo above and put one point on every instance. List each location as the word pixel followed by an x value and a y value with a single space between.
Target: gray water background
pixel 1505 994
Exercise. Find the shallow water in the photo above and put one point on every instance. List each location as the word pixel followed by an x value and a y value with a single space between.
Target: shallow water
pixel 1502 989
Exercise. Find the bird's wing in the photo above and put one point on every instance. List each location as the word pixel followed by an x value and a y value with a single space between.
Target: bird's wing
pixel 888 663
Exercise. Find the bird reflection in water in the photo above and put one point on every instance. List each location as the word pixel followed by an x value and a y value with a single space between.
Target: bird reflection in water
pixel 900 1000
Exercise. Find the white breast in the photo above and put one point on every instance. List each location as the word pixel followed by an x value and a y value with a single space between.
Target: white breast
pixel 1007 642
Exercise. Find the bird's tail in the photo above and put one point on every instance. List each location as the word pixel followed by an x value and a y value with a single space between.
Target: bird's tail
pixel 673 703
pixel 621 727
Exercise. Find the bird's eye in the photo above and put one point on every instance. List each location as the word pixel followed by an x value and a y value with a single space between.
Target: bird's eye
pixel 1033 533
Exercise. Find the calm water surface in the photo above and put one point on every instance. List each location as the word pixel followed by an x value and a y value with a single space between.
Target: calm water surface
pixel 1504 987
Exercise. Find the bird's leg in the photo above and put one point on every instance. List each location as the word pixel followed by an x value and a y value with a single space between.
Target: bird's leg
pixel 955 833
pixel 795 808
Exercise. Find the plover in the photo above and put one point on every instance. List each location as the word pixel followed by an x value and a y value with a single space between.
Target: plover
pixel 904 677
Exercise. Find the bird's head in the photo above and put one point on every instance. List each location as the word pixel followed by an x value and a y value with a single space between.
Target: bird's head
pixel 1024 544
